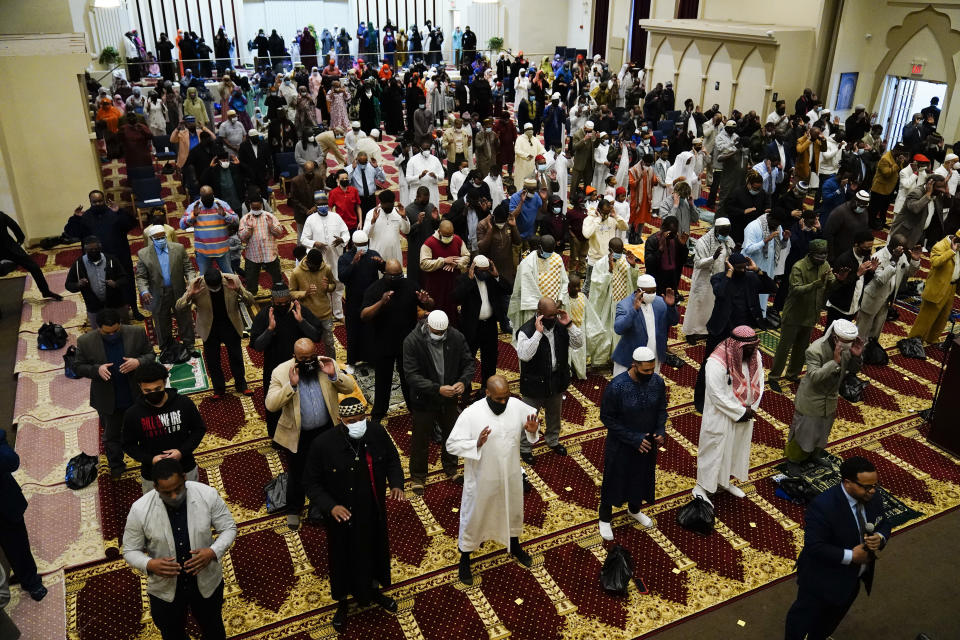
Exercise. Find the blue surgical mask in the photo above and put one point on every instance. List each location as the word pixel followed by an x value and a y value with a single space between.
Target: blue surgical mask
pixel 617 256
pixel 324 210
pixel 160 244
pixel 722 237
pixel 357 429
pixel 753 192
pixel 546 255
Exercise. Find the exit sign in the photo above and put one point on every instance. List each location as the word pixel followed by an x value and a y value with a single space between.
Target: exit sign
pixel 916 69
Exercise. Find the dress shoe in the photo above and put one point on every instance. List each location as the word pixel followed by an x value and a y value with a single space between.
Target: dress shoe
pixel 464 573
pixel 559 449
pixel 58 298
pixel 38 593
pixel 117 472
pixel 526 456
pixel 606 531
pixel 527 487
pixel 293 521
pixel 522 556
pixel 340 617
pixel 675 361
pixel 416 488
pixel 385 602
pixel 774 385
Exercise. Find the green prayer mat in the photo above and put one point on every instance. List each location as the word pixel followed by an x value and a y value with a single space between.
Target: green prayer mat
pixel 190 376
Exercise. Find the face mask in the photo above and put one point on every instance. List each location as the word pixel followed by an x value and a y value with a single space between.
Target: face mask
pixel 425 153
pixel 281 307
pixel 557 210
pixel 446 239
pixel 754 192
pixel 256 212
pixel 488 129
pixel 323 211
pixel 175 503
pixel 357 429
pixel 361 249
pixel 549 323
pixel 859 209
pixel 482 275
pixel 207 201
pixel 642 378
pixel 497 407
pixel 649 297
pixel 423 106
pixel 308 367
pixel 729 131
pixel 111 338
pixel 155 397
pixel 541 167
pixel 160 244
pixel 437 337
pixel 617 256
pixel 500 225
pixel 545 255
pixel 529 134
pixel 94 256
pixel 233 118
pixel 224 164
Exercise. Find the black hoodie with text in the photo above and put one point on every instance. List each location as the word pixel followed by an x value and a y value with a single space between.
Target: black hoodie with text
pixel 149 431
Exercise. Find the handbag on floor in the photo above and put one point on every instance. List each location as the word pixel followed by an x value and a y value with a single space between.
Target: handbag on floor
pixel 697 516
pixel 617 571
pixel 852 388
pixel 276 493
pixel 912 348
pixel 874 354
pixel 81 471
pixel 51 336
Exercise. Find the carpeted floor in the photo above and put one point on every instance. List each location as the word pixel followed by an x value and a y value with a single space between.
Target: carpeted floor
pixel 276 580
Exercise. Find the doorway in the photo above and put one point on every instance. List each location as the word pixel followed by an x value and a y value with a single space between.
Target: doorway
pixel 903 97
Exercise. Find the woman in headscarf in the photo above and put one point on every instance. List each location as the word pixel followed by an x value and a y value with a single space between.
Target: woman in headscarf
pixel 305 109
pixel 389 46
pixel 337 100
pixel 136 102
pixel 368 106
pixel 221 49
pixel 683 168
pixel 110 114
pixel 642 180
pixel 414 97
pixel 392 107
pixel 416 44
pixel 156 114
pixel 308 48
pixel 546 68
pixel 238 102
pixel 521 87
pixel 402 49
pixel 281 134
pixel 172 102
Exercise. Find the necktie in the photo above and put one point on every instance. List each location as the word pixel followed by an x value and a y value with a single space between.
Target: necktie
pixel 861 520
pixel 363 177
pixel 770 181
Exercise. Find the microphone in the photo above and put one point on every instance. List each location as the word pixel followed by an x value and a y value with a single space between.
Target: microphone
pixel 868 529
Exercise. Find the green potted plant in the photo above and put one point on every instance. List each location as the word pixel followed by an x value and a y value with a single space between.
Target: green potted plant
pixel 495 43
pixel 109 56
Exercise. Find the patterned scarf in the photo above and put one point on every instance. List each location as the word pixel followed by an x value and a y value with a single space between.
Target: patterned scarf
pixel 618 279
pixel 729 353
pixel 548 276
pixel 577 309
pixel 765 230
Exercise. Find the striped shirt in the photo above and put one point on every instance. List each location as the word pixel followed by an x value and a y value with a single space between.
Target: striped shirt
pixel 261 233
pixel 211 237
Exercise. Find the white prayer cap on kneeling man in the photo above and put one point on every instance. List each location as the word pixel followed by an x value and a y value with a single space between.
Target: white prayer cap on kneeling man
pixel 643 354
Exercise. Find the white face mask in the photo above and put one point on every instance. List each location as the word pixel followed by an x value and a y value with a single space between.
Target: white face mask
pixel 648 297
pixel 256 212
pixel 357 429
pixel 437 337
pixel 425 153
pixel 446 239
pixel 500 225
pixel 233 118
pixel 361 248
pixel 224 164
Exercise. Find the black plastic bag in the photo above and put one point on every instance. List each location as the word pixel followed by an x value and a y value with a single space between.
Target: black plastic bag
pixel 276 493
pixel 912 348
pixel 799 489
pixel 51 336
pixel 70 362
pixel 874 354
pixel 617 571
pixel 175 353
pixel 852 388
pixel 696 516
pixel 81 471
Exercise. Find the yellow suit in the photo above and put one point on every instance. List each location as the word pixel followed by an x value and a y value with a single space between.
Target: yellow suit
pixel 938 293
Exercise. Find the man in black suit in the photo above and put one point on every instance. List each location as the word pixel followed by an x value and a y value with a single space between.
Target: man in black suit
pixel 254 155
pixel 482 293
pixel 838 551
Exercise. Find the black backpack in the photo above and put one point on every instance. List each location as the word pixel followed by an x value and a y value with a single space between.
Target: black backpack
pixel 51 336
pixel 70 362
pixel 81 471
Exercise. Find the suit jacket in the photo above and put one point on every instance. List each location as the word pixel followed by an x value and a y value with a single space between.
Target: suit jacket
pixel 231 299
pixel 113 270
pixel 150 278
pixel 91 354
pixel 909 221
pixel 301 195
pixel 259 166
pixel 582 152
pixel 830 529
pixel 938 287
pixel 817 394
pixel 629 324
pixel 13 504
pixel 789 153
pixel 803 165
pixel 467 293
pixel 422 376
pixel 285 399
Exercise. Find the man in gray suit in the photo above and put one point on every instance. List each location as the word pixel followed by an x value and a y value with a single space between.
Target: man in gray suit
pixel 163 271
pixel 108 356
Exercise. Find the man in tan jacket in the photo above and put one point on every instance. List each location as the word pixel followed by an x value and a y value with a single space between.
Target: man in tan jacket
pixel 305 389
pixel 312 282
pixel 216 296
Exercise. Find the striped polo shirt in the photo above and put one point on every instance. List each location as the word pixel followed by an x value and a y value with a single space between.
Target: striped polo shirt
pixel 211 237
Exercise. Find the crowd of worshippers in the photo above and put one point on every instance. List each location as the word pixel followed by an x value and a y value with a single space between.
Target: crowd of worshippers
pixel 573 243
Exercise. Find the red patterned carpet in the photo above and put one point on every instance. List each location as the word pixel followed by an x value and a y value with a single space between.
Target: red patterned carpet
pixel 276 580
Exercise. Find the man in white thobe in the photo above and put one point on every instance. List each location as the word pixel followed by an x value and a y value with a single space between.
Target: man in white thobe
pixel 487 436
pixel 734 387
pixel 526 149
pixel 561 173
pixel 383 226
pixel 425 170
pixel 711 253
pixel 612 279
pixel 325 230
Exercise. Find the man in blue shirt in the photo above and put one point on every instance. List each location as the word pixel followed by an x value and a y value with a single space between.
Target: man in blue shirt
pixel 525 205
pixel 365 176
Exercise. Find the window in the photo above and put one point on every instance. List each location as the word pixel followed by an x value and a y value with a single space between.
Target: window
pixel 688 9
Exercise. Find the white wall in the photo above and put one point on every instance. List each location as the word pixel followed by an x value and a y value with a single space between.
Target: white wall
pixel 578 23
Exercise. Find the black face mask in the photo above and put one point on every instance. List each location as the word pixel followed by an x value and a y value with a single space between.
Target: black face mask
pixel 94 256
pixel 482 275
pixel 549 323
pixel 155 397
pixel 344 183
pixel 739 274
pixel 98 204
pixel 497 407
pixel 281 308
pixel 643 378
pixel 393 281
pixel 207 202
pixel 308 367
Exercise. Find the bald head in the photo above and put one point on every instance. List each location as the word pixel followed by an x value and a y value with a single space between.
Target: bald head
pixel 206 190
pixel 393 268
pixel 498 389
pixel 547 307
pixel 304 349
pixel 446 228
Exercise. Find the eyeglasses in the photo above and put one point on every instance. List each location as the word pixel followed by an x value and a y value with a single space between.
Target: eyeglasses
pixel 866 487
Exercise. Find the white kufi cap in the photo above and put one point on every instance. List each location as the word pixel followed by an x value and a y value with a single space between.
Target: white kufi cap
pixel 360 237
pixel 644 354
pixel 438 320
